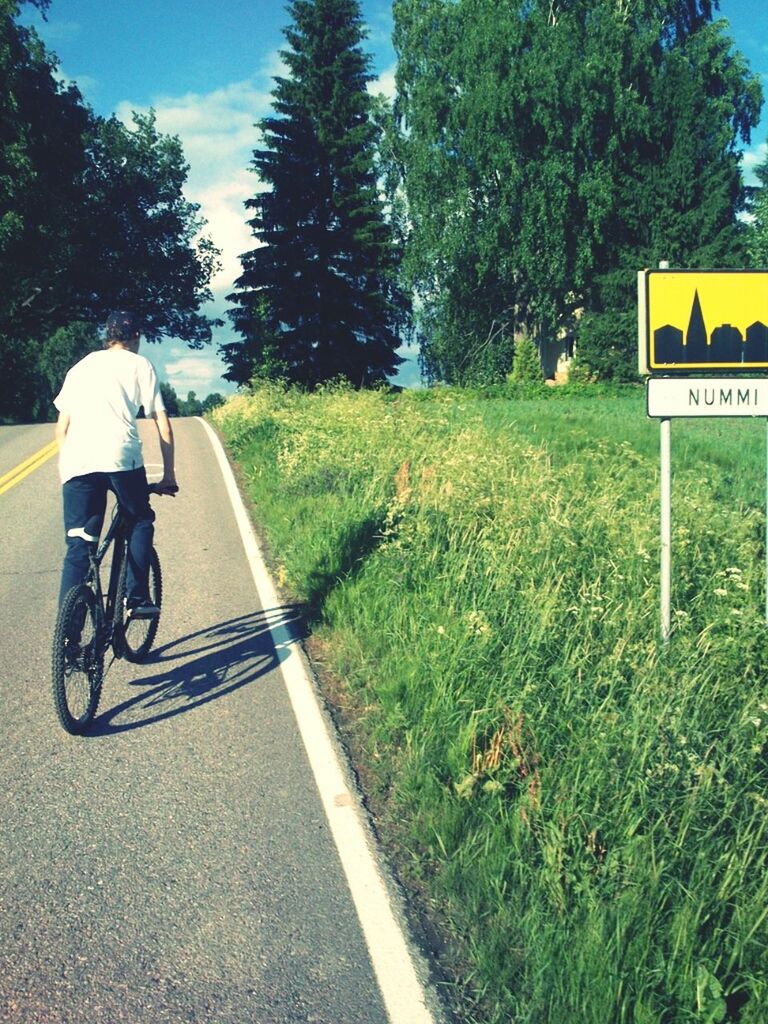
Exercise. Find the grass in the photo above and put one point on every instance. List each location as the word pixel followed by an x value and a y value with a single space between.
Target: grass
pixel 585 806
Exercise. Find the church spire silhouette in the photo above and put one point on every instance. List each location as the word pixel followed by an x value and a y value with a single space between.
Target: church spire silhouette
pixel 696 348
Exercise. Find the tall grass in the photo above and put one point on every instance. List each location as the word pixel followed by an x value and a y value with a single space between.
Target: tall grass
pixel 585 807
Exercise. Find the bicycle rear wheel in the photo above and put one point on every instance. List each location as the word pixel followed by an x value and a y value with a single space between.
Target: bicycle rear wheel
pixel 133 638
pixel 78 660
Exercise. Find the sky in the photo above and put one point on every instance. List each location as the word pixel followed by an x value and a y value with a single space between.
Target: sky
pixel 207 70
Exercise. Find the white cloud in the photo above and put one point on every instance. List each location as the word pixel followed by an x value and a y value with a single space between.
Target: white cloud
pixel 218 133
pixel 217 129
pixel 88 86
pixel 199 371
pixel 751 159
pixel 189 372
pixel 385 83
pixel 222 205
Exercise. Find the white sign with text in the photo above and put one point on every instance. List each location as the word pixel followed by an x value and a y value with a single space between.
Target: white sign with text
pixel 668 397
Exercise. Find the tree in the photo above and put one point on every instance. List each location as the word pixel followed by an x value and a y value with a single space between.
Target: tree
pixel 679 186
pixel 257 356
pixel 42 162
pixel 92 216
pixel 170 398
pixel 526 368
pixel 65 347
pixel 190 406
pixel 757 241
pixel 212 401
pixel 549 151
pixel 318 298
pixel 139 245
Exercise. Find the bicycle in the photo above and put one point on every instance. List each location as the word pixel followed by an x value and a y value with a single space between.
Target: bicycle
pixel 90 621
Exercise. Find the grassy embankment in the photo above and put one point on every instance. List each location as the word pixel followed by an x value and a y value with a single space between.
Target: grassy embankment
pixel 588 810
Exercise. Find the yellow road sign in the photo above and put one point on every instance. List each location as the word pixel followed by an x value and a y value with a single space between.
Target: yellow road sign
pixel 699 321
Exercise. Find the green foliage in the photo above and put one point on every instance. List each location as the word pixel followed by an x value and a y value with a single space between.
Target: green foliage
pixel 191 405
pixel 170 398
pixel 757 239
pixel 526 368
pixel 92 216
pixel 606 346
pixel 212 401
pixel 58 353
pixel 139 241
pixel 257 355
pixel 549 151
pixel 586 807
pixel 319 298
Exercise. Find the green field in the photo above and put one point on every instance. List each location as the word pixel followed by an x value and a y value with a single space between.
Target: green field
pixel 581 810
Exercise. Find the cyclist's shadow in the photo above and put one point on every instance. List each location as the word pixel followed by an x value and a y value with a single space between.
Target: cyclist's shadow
pixel 207 665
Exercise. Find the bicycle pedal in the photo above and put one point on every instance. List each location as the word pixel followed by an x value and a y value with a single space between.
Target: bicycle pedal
pixel 143 611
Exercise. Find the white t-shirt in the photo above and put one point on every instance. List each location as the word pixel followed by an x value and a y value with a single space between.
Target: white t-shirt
pixel 102 395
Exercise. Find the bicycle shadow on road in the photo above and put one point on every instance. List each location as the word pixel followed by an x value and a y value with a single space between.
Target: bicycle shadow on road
pixel 203 666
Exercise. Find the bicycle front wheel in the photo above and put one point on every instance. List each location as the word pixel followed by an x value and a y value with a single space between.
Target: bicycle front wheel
pixel 133 638
pixel 78 660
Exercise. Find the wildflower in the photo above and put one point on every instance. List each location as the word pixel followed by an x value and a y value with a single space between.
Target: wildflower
pixel 721 592
pixel 478 624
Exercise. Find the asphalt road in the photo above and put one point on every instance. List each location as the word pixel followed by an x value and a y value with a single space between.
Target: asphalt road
pixel 175 864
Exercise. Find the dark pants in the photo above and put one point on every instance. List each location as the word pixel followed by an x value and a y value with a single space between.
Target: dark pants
pixel 85 501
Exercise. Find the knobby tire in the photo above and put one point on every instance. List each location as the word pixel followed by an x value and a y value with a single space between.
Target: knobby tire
pixel 132 639
pixel 78 661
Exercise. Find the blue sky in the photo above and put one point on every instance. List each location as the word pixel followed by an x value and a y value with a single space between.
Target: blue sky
pixel 207 70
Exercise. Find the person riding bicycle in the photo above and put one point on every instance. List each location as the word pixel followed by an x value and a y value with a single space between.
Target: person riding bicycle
pixel 100 450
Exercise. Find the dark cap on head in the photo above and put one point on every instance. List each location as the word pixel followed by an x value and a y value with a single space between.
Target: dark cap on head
pixel 122 326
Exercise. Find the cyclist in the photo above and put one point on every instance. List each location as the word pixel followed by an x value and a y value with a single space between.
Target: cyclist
pixel 100 450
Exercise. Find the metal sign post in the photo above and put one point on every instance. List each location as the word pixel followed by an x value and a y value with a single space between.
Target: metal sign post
pixel 695 326
pixel 690 399
pixel 666 528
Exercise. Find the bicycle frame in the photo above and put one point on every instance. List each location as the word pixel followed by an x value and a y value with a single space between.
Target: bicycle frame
pixel 105 610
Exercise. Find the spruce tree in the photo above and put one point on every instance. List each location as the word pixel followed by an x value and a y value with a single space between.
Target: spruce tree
pixel 318 298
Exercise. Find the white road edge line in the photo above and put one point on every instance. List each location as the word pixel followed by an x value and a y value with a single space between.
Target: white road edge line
pixel 403 995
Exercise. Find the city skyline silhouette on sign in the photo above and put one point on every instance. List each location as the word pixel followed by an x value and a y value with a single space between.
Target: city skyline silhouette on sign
pixel 725 344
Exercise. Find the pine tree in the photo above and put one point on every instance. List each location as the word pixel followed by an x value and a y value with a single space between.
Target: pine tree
pixel 318 297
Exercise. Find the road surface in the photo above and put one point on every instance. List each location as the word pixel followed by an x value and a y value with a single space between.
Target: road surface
pixel 177 863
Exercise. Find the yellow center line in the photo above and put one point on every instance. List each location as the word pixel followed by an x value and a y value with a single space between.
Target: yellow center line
pixel 29 465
